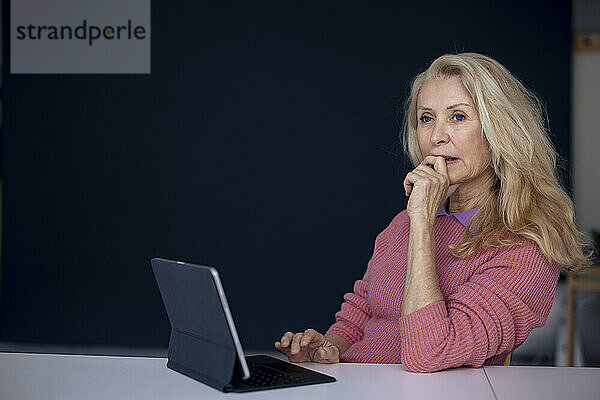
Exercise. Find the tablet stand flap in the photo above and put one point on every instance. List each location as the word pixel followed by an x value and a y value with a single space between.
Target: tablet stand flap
pixel 200 359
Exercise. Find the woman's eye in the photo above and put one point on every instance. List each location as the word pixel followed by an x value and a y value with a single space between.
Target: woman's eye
pixel 425 119
pixel 460 117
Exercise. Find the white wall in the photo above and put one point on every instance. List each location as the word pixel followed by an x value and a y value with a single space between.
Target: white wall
pixel 586 139
pixel 585 144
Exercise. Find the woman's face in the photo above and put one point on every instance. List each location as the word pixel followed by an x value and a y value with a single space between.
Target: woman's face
pixel 448 125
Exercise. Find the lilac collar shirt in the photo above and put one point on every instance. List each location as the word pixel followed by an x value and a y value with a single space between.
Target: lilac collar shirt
pixel 463 217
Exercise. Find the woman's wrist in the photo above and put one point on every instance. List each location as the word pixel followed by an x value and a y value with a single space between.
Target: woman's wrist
pixel 338 341
pixel 422 221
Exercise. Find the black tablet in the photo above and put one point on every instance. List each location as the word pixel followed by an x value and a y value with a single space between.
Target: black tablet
pixel 204 343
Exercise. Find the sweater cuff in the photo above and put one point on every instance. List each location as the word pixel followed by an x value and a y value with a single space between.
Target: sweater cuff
pixel 339 330
pixel 423 318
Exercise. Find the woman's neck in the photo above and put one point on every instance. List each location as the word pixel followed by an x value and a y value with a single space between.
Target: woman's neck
pixel 472 194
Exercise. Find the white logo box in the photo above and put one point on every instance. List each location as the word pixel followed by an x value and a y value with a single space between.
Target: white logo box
pixel 80 36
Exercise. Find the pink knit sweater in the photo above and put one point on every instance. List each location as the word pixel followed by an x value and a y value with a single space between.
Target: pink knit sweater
pixel 492 300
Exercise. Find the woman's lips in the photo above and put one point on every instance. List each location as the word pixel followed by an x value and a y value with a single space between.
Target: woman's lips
pixel 452 161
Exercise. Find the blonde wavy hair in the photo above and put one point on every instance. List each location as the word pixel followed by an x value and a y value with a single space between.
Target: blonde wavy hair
pixel 527 200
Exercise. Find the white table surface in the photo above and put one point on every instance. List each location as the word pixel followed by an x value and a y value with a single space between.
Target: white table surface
pixel 544 383
pixel 25 376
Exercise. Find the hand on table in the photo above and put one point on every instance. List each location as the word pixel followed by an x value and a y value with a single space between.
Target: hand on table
pixel 309 345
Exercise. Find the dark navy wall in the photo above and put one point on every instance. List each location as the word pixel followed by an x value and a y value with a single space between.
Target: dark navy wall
pixel 264 142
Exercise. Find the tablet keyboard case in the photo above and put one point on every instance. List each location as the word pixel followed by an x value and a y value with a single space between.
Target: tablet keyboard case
pixel 201 345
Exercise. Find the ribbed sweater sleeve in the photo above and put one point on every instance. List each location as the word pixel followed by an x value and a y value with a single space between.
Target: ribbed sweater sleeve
pixel 355 312
pixel 489 315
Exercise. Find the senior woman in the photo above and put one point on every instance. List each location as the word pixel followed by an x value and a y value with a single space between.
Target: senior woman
pixel 462 276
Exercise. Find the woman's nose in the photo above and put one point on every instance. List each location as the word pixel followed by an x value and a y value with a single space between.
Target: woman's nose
pixel 439 133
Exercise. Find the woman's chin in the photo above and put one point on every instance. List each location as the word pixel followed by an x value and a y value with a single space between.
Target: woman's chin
pixel 454 180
